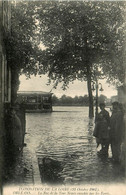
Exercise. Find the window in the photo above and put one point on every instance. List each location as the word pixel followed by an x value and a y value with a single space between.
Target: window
pixel 32 99
pixel 46 98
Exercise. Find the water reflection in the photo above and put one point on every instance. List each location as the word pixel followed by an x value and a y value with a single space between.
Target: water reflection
pixel 65 148
pixel 66 137
pixel 90 128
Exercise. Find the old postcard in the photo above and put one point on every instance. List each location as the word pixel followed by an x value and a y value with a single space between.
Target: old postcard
pixel 62 97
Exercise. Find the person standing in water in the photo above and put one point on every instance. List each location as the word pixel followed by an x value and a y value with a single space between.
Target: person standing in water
pixel 116 131
pixel 102 127
pixel 101 132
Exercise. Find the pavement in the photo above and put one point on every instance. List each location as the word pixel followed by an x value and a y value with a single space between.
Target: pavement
pixel 23 168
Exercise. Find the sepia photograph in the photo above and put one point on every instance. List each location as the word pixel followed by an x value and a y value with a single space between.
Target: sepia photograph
pixel 62 97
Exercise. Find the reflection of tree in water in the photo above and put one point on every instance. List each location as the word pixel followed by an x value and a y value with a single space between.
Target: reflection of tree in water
pixel 90 130
pixel 90 127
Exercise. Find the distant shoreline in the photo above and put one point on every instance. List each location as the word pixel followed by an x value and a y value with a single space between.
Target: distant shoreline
pixel 107 106
pixel 73 105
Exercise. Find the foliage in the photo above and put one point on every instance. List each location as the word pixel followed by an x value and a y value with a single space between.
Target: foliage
pixel 21 44
pixel 79 38
pixel 75 101
pixel 75 34
pixel 69 101
pixel 79 35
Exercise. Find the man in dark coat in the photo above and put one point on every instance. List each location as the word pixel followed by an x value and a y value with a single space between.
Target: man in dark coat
pixel 105 113
pixel 104 127
pixel 16 131
pixel 116 131
pixel 101 132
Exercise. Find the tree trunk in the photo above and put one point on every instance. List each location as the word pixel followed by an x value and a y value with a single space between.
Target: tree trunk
pixel 14 85
pixel 91 107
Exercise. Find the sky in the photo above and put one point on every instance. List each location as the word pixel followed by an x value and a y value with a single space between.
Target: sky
pixel 78 88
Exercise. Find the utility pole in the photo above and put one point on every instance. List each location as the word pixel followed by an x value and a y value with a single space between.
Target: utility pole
pixel 95 86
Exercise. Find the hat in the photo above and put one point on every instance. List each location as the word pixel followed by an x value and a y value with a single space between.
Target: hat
pixel 115 103
pixel 102 104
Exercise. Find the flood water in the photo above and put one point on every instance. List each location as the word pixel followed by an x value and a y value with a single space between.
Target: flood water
pixel 65 136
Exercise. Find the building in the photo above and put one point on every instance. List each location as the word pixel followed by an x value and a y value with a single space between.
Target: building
pixel 5 71
pixel 6 127
pixel 5 76
pixel 35 101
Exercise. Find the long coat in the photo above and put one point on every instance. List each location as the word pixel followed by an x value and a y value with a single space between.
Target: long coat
pixel 116 126
pixel 16 130
pixel 101 129
pixel 105 114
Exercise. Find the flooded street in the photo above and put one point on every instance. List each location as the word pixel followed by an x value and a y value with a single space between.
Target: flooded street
pixel 60 149
pixel 65 136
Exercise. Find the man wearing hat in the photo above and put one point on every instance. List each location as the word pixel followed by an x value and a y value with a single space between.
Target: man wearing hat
pixel 104 112
pixel 105 128
pixel 116 131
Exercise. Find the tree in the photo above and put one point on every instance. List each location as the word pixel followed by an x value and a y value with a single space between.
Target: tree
pixel 55 100
pixel 69 101
pixel 86 100
pixel 79 37
pixel 66 100
pixel 21 45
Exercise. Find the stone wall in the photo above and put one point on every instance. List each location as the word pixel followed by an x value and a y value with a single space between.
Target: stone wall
pixel 5 75
pixel 6 126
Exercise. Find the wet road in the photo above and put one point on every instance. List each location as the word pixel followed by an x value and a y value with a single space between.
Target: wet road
pixel 64 138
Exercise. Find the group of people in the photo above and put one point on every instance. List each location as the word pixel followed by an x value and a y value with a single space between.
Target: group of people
pixel 109 130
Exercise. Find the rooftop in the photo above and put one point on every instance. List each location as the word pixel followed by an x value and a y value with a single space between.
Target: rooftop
pixel 33 92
